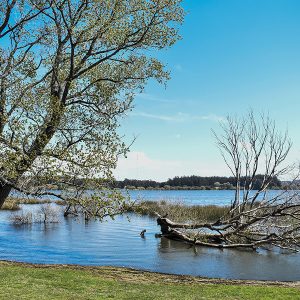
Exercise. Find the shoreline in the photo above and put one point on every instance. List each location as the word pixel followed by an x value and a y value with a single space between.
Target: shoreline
pixel 141 276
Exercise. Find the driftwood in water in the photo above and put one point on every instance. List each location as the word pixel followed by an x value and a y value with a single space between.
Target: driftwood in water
pixel 168 230
pixel 222 237
pixel 213 240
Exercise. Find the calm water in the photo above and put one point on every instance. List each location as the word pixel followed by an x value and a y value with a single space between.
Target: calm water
pixel 195 197
pixel 118 243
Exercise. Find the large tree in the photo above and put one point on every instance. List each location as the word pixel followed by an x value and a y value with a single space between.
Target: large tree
pixel 68 71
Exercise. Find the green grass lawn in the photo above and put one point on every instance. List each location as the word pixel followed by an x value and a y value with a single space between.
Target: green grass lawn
pixel 21 281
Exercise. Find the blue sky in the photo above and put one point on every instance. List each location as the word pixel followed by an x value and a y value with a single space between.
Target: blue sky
pixel 234 55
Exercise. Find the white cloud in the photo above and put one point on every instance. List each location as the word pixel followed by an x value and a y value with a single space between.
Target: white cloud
pixel 211 117
pixel 179 117
pixel 138 165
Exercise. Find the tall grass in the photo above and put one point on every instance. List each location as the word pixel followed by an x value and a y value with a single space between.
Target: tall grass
pixel 32 201
pixel 14 203
pixel 10 204
pixel 180 212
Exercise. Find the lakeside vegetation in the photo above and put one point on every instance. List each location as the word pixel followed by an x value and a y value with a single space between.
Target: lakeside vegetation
pixel 180 212
pixel 195 183
pixel 25 281
pixel 14 203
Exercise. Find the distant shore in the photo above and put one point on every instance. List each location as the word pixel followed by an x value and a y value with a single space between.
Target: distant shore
pixel 186 188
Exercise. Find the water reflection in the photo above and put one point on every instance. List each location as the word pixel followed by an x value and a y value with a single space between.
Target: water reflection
pixel 236 264
pixel 118 243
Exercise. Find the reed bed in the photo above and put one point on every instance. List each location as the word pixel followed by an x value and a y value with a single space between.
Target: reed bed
pixel 14 203
pixel 180 212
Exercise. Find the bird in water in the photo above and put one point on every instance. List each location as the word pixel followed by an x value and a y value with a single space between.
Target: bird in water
pixel 142 234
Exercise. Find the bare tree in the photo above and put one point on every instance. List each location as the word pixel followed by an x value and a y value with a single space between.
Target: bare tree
pixel 250 146
pixel 69 70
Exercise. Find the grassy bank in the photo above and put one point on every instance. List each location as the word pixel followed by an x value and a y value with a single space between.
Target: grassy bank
pixel 22 281
pixel 180 212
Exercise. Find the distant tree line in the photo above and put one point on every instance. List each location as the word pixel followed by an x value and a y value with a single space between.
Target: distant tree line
pixel 182 182
pixel 190 182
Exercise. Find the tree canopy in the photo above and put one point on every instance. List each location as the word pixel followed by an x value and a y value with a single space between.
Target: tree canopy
pixel 69 69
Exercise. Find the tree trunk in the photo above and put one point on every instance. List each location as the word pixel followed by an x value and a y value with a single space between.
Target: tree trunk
pixel 4 192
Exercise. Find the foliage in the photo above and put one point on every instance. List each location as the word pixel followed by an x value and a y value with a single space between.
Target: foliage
pixel 105 203
pixel 68 72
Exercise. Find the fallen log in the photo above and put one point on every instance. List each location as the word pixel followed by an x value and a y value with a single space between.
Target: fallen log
pixel 211 240
pixel 248 233
pixel 166 223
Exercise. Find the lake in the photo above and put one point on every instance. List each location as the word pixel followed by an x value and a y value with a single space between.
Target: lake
pixel 118 243
pixel 191 197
